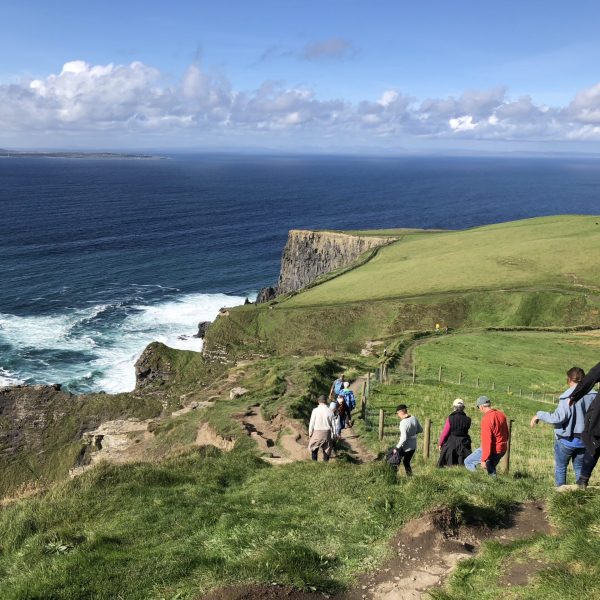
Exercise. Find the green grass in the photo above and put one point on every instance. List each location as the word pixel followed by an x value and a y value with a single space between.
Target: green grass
pixel 546 252
pixel 177 529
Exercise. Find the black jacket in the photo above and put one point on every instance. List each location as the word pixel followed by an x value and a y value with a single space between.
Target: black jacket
pixel 458 444
pixel 591 432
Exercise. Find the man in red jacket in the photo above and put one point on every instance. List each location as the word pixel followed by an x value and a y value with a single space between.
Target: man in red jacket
pixel 494 438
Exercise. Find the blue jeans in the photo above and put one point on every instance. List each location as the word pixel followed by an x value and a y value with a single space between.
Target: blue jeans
pixel 562 455
pixel 474 460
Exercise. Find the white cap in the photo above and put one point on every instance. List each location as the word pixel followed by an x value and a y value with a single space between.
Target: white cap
pixel 346 384
pixel 458 402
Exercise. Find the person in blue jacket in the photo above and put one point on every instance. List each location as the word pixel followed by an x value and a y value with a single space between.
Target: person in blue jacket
pixel 568 422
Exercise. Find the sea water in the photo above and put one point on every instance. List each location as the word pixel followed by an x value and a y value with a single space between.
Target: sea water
pixel 100 257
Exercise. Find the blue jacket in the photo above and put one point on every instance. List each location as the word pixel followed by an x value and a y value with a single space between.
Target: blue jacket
pixel 568 420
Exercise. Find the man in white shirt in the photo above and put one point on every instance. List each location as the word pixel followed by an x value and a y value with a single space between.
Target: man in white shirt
pixel 319 430
pixel 407 444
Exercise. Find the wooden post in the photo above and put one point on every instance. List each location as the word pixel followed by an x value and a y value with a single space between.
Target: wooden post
pixel 477 382
pixel 508 390
pixel 414 374
pixel 381 423
pixel 493 385
pixel 363 401
pixel 426 438
pixel 368 384
pixel 520 392
pixel 440 373
pixel 506 457
pixel 459 377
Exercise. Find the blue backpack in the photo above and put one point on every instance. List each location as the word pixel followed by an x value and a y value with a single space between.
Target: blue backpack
pixel 349 399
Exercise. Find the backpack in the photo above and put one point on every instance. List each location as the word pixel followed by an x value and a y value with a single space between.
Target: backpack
pixel 393 457
pixel 338 386
pixel 350 399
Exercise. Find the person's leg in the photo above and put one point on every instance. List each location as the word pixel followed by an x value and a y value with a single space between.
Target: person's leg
pixel 314 454
pixel 561 462
pixel 473 460
pixel 578 455
pixel 492 463
pixel 587 466
pixel 406 458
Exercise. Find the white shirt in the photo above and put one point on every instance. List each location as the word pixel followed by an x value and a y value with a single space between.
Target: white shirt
pixel 320 419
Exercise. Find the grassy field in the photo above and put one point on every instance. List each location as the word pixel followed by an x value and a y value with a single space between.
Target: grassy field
pixel 548 252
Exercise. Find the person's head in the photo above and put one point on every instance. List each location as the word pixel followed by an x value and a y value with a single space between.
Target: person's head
pixel 402 410
pixel 322 400
pixel 458 405
pixel 341 376
pixel 575 375
pixel 484 403
pixel 346 385
pixel 340 399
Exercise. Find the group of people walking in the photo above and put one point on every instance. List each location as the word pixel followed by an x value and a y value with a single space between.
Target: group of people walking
pixel 329 418
pixel 576 423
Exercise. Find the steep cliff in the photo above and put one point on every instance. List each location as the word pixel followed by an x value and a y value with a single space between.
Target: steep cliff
pixel 310 254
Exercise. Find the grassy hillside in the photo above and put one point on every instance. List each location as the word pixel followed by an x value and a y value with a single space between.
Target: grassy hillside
pixel 549 252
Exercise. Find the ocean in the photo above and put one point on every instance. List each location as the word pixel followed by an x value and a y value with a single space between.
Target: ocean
pixel 99 257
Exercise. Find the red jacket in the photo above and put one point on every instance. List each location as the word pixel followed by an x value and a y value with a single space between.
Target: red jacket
pixel 494 433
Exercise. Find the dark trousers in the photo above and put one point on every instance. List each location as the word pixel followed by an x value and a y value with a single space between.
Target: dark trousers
pixel 315 455
pixel 406 457
pixel 589 462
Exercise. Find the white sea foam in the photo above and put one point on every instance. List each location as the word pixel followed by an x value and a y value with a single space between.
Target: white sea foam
pixel 108 348
pixel 7 378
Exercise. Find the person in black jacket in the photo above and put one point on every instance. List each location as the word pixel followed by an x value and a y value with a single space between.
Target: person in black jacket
pixel 591 431
pixel 455 442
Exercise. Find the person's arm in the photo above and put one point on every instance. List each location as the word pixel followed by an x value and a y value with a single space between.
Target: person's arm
pixel 419 427
pixel 486 439
pixel 311 425
pixel 445 433
pixel 558 418
pixel 402 439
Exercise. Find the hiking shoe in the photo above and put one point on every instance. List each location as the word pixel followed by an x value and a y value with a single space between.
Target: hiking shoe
pixel 581 485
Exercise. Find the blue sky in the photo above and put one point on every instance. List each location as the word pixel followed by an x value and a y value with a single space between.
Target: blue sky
pixel 326 74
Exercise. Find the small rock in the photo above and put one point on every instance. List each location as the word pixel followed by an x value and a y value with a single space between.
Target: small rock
pixel 236 392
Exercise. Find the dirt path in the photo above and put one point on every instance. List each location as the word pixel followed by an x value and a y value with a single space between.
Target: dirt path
pixel 427 550
pixel 280 441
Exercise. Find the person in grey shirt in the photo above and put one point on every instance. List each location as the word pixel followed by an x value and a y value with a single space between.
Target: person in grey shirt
pixel 409 429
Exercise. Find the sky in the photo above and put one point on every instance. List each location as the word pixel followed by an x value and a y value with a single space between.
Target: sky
pixel 387 76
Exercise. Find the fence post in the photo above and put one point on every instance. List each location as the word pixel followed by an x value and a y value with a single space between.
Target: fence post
pixel 508 390
pixel 381 423
pixel 414 374
pixel 440 373
pixel 426 438
pixel 493 385
pixel 363 401
pixel 520 392
pixel 506 457
pixel 368 384
pixel 459 377
pixel 477 382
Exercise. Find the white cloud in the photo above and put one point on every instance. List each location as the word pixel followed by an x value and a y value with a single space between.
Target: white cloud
pixel 136 100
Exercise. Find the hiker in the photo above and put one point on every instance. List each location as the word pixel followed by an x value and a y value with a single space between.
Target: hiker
pixel 494 438
pixel 319 430
pixel 407 444
pixel 568 424
pixel 350 402
pixel 336 387
pixel 336 429
pixel 591 429
pixel 455 442
pixel 342 411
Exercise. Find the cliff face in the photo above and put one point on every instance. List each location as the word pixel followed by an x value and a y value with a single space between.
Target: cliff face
pixel 310 254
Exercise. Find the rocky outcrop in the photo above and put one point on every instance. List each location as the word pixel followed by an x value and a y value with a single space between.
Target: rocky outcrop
pixel 266 294
pixel 153 366
pixel 310 254
pixel 202 329
pixel 28 411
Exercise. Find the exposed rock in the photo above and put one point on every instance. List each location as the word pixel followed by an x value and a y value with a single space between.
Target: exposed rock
pixel 202 329
pixel 152 367
pixel 207 436
pixel 236 392
pixel 266 294
pixel 26 411
pixel 310 254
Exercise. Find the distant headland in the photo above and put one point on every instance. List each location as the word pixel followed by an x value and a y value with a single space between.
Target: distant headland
pixel 95 155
